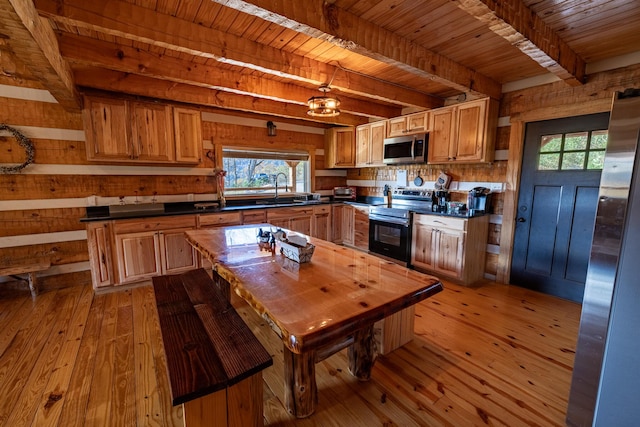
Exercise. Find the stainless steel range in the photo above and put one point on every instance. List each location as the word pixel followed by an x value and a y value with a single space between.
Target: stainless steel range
pixel 390 226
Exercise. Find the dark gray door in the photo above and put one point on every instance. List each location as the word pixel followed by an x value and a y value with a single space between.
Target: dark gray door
pixel 561 168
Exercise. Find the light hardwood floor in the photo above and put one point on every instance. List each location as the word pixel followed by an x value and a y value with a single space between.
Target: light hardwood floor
pixel 489 355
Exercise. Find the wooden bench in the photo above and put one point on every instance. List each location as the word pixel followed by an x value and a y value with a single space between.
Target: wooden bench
pixel 214 361
pixel 30 270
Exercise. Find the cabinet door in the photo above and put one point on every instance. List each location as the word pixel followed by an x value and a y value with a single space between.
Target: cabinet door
pixel 107 129
pixel 177 255
pixel 336 223
pixel 471 122
pixel 423 245
pixel 376 143
pixel 363 136
pixel 138 256
pixel 348 229
pixel 397 126
pixel 322 226
pixel 361 227
pixel 442 126
pixel 301 224
pixel 340 149
pixel 417 122
pixel 99 242
pixel 188 135
pixel 450 250
pixel 152 132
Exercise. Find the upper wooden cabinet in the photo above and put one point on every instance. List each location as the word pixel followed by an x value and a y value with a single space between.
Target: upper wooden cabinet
pixel 152 132
pixel 107 129
pixel 370 144
pixel 463 133
pixel 411 123
pixel 120 130
pixel 188 135
pixel 339 147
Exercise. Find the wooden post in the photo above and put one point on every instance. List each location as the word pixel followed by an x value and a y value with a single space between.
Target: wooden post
pixel 362 354
pixel 300 389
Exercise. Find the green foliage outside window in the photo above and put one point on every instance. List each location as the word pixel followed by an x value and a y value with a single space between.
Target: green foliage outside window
pixel 573 151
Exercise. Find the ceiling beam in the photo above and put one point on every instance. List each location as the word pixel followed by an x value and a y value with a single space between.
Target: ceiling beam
pixel 136 23
pixel 116 81
pixel 113 56
pixel 325 21
pixel 32 39
pixel 521 27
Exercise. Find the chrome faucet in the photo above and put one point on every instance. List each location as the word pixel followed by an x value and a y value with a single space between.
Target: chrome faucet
pixel 286 187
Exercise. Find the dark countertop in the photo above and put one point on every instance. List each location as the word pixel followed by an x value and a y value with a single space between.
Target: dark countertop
pixel 101 213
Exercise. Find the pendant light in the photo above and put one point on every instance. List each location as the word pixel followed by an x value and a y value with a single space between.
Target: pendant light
pixel 323 106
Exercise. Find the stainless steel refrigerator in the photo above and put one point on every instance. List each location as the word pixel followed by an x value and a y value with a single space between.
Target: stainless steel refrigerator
pixel 606 376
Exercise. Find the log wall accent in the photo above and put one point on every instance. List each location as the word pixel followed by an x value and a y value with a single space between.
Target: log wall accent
pixel 41 207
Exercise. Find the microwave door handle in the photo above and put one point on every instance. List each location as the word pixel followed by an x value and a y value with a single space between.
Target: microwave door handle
pixel 413 148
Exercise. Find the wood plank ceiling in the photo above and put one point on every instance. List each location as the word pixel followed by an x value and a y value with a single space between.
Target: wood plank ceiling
pixel 269 56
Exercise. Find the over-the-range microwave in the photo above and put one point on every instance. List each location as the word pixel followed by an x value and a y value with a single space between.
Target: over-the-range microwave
pixel 406 149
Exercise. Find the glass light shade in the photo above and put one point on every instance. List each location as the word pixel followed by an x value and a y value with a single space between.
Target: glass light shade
pixel 323 106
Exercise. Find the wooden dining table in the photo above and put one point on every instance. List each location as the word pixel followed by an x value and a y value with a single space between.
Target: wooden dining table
pixel 316 308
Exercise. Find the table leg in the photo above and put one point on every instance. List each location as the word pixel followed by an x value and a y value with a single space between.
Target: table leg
pixel 300 389
pixel 222 284
pixel 362 353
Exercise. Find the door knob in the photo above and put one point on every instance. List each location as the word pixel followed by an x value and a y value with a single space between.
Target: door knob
pixel 521 219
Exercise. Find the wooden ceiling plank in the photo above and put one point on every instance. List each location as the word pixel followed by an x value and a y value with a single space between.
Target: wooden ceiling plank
pixel 325 21
pixel 127 20
pixel 34 39
pixel 83 51
pixel 521 27
pixel 116 81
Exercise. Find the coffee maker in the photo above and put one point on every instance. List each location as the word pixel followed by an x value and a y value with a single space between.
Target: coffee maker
pixel 442 197
pixel 479 201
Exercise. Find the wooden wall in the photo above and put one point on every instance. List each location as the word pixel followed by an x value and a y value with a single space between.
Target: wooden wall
pixel 41 206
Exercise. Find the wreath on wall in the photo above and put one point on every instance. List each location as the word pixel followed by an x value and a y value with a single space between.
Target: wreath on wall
pixel 24 143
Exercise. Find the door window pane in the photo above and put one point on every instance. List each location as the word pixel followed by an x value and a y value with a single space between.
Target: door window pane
pixel 573 161
pixel 599 139
pixel 549 161
pixel 576 141
pixel 573 151
pixel 550 143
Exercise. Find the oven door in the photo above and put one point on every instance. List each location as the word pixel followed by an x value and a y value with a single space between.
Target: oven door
pixel 390 237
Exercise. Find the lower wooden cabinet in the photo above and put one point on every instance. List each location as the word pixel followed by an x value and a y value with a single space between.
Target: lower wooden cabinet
pixel 146 248
pixel 454 248
pixel 99 240
pixel 336 223
pixel 294 219
pixel 321 222
pixel 355 226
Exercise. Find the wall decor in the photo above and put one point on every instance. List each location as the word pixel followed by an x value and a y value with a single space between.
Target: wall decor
pixel 25 143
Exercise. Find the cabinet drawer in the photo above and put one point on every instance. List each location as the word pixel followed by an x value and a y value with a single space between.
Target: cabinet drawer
pixel 230 218
pixel 325 209
pixel 154 224
pixel 287 213
pixel 441 222
pixel 254 216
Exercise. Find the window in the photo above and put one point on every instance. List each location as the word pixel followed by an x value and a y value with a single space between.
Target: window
pixel 573 151
pixel 255 171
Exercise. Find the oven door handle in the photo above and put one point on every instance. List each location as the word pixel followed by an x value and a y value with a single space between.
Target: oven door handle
pixel 398 221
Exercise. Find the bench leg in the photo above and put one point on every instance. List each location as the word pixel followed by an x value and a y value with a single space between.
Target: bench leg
pixel 33 284
pixel 237 406
pixel 300 389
